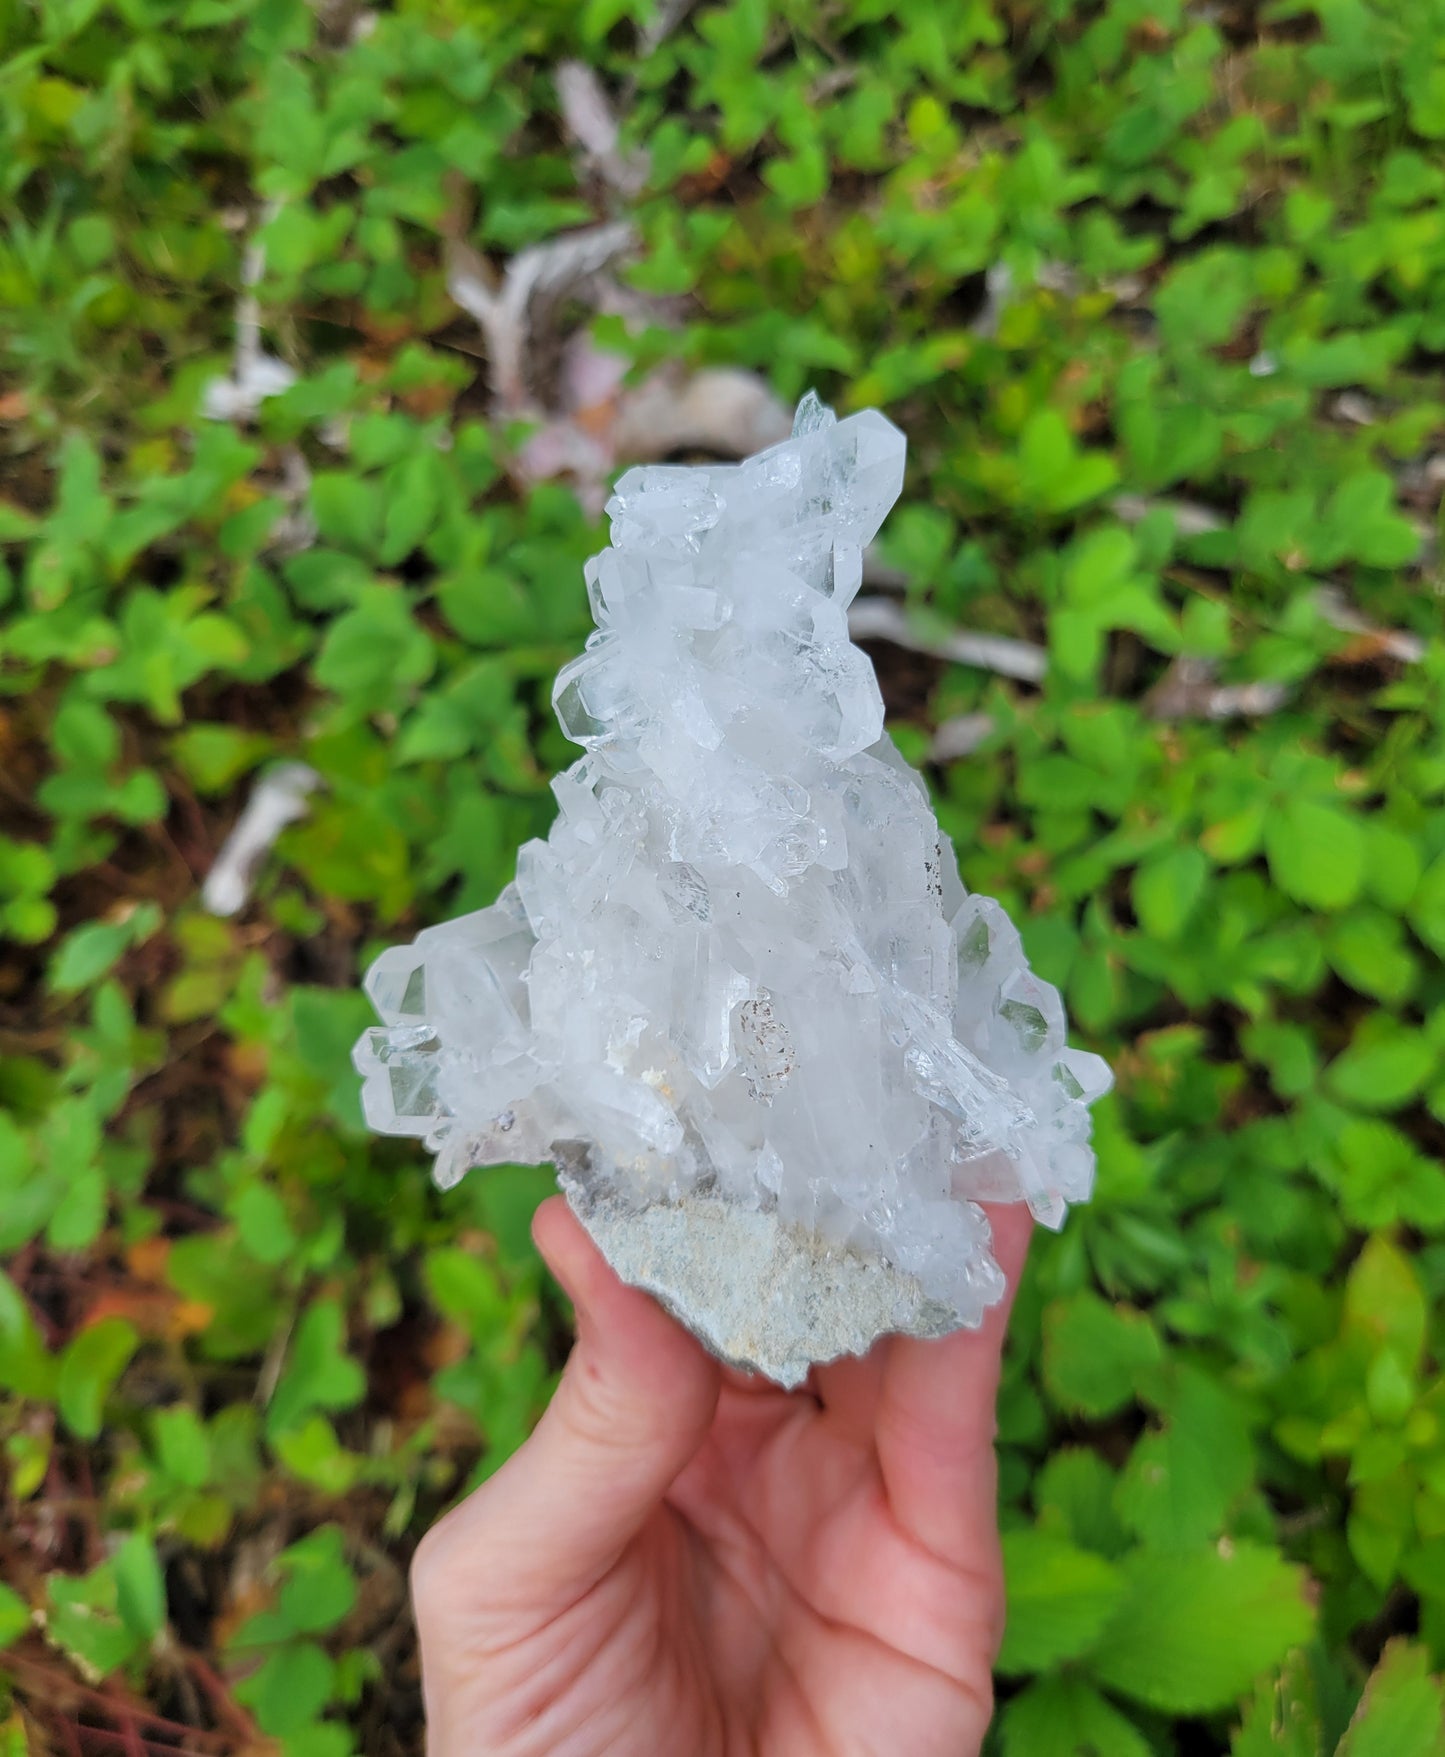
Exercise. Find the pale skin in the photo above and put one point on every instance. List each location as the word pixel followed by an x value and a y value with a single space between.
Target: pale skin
pixel 684 1561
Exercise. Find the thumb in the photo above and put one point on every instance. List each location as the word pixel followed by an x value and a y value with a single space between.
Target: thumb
pixel 633 1406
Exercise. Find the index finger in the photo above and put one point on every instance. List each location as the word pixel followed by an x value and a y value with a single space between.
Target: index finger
pixel 936 1419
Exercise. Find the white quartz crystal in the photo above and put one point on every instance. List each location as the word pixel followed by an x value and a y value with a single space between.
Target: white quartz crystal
pixel 739 995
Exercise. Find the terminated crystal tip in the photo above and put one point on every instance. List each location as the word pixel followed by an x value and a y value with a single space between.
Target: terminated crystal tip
pixel 739 996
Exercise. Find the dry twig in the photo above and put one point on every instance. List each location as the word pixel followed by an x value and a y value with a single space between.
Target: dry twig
pixel 1192 518
pixel 880 619
pixel 587 112
pixel 1190 690
pixel 255 374
pixel 279 799
pixel 960 737
pixel 512 312
pixel 1392 643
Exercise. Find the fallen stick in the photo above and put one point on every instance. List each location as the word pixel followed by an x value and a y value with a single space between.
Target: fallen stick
pixel 880 619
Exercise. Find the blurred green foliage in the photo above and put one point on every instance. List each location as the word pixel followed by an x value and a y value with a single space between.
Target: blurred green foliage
pixel 246 1354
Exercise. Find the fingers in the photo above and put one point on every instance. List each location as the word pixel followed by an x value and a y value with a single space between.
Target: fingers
pixel 848 1389
pixel 935 1419
pixel 633 1406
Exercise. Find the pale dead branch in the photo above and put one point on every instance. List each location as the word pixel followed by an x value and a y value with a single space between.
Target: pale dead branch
pixel 1190 690
pixel 1393 643
pixel 880 619
pixel 1356 408
pixel 998 287
pixel 295 530
pixel 960 737
pixel 512 311
pixel 1192 518
pixel 280 798
pixel 255 374
pixel 587 112
pixel 670 14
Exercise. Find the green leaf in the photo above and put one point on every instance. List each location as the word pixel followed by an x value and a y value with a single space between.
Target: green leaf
pixel 1099 565
pixel 1384 1301
pixel 414 489
pixel 1203 298
pixel 89 1368
pixel 140 1586
pixel 1074 1493
pixel 1367 949
pixel 1054 474
pixel 320 1589
pixel 375 654
pixel 1426 911
pixel 25 868
pixel 323 1738
pixel 1379 1527
pixel 1283 1720
pixel 15 1616
pixel 466 1288
pixel 80 1216
pixel 1402 1712
pixel 1288 1051
pixel 1385 1066
pixel 326 579
pixel 347 509
pixel 86 954
pixel 1426 86
pixel 1228 840
pixel 28 920
pixel 1166 889
pixel 313 1454
pixel 84 1620
pixel 182 1445
pixel 801 180
pixel 1095 1352
pixel 1059 1598
pixel 215 756
pixel 213 1269
pixel 1067 1717
pixel 1316 853
pixel 263 1224
pixel 139 799
pixel 1360 523
pixel 1393 865
pixel 1195 1630
pixel 290 1689
pixel 1382 1178
pixel 319 1373
pixel 487 607
pixel 26 1367
pixel 1179 1485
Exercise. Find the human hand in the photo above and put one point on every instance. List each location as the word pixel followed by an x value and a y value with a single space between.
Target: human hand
pixel 687 1562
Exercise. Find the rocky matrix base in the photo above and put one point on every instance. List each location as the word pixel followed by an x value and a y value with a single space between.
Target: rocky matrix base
pixel 739 994
pixel 761 1292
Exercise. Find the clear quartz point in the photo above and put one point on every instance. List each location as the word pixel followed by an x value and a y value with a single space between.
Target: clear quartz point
pixel 812 413
pixel 738 995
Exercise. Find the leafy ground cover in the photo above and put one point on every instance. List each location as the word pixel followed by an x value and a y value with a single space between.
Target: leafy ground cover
pixel 1158 293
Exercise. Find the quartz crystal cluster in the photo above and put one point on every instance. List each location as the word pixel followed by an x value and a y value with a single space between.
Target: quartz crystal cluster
pixel 739 996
